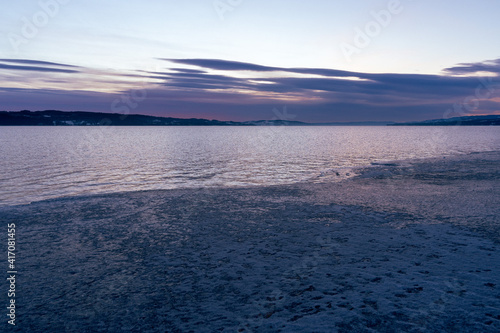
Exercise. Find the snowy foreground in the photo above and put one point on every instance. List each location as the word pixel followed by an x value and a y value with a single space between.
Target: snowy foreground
pixel 402 247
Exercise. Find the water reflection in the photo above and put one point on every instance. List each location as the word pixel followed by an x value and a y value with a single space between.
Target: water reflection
pixel 48 162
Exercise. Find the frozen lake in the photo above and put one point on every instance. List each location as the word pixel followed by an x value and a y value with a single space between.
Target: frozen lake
pixel 413 249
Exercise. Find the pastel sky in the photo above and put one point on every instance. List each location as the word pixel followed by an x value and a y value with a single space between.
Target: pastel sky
pixel 321 60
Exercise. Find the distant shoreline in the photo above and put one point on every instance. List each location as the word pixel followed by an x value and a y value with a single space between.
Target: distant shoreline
pixel 83 118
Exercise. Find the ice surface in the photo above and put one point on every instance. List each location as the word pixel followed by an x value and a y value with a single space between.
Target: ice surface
pixel 402 247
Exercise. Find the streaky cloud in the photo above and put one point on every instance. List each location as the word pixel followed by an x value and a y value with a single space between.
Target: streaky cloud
pixel 224 65
pixel 489 66
pixel 186 70
pixel 36 62
pixel 37 69
pixel 218 88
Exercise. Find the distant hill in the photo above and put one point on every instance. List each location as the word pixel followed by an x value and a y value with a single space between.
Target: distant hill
pixel 492 120
pixel 273 123
pixel 355 123
pixel 81 118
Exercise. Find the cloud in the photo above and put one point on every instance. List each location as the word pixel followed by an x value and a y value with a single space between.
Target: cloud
pixel 488 66
pixel 329 94
pixel 185 70
pixel 36 66
pixel 232 90
pixel 226 65
pixel 332 80
pixel 329 80
pixel 223 65
pixel 36 62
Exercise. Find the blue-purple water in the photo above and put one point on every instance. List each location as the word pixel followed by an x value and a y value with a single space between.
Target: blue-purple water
pixel 49 162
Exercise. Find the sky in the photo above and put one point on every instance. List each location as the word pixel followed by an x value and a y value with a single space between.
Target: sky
pixel 313 61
